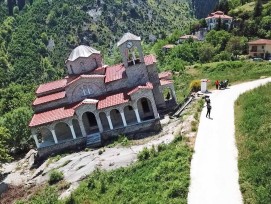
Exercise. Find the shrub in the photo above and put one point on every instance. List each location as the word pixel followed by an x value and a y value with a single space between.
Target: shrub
pixel 161 147
pixel 195 85
pixel 100 151
pixel 144 154
pixel 55 176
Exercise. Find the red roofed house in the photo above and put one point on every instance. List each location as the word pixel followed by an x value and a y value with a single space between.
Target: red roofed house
pixel 213 18
pixel 95 102
pixel 260 48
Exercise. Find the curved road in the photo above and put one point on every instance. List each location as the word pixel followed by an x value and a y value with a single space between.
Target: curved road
pixel 214 170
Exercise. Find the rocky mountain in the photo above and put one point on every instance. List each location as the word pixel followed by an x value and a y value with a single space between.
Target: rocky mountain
pixel 203 7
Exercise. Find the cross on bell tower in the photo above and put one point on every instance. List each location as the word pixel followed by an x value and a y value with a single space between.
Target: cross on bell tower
pixel 128 46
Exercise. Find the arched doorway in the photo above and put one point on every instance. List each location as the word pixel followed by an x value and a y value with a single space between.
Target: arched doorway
pixel 145 109
pixel 90 123
pixel 116 118
pixel 104 121
pixel 63 132
pixel 45 137
pixel 130 115
pixel 77 128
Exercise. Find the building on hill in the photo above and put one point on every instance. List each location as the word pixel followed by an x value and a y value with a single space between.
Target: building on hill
pixel 95 102
pixel 167 47
pixel 213 20
pixel 260 48
pixel 188 37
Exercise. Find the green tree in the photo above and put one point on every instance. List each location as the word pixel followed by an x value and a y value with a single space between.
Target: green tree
pixel 237 45
pixel 206 52
pixel 4 138
pixel 218 39
pixel 258 8
pixel 16 121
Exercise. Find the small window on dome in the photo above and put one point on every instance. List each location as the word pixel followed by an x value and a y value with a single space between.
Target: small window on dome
pixel 82 65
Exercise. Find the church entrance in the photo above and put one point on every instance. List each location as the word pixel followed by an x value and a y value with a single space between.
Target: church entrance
pixel 90 123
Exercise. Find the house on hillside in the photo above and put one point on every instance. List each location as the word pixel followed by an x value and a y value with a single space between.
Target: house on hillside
pixel 188 37
pixel 260 48
pixel 167 47
pixel 213 19
pixel 95 102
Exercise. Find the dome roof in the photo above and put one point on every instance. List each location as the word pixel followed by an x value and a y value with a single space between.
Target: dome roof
pixel 82 51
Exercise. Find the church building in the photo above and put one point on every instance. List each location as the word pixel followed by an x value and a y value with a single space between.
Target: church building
pixel 95 102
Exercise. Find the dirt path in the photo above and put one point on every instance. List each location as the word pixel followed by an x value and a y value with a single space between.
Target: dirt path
pixel 214 170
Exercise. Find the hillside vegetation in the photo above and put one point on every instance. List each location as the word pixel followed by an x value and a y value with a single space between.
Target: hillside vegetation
pixel 36 38
pixel 160 176
pixel 253 135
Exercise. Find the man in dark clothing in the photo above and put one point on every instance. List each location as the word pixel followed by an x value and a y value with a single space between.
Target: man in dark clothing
pixel 209 107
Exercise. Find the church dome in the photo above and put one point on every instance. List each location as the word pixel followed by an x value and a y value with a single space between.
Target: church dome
pixel 82 51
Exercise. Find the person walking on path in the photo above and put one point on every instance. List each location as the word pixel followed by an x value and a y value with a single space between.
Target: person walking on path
pixel 209 107
pixel 216 84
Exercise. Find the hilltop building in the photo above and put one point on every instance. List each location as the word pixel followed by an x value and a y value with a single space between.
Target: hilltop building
pixel 260 48
pixel 213 19
pixel 95 102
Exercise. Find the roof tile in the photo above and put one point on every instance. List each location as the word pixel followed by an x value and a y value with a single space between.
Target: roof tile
pixel 260 42
pixel 48 98
pixel 50 116
pixel 115 99
pixel 51 86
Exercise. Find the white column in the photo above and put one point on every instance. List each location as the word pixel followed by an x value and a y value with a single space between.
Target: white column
pixel 73 132
pixel 123 118
pixel 36 140
pixel 99 123
pixel 110 122
pixel 155 112
pixel 82 128
pixel 137 115
pixel 54 136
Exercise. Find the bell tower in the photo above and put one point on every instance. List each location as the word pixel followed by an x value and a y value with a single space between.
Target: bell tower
pixel 129 46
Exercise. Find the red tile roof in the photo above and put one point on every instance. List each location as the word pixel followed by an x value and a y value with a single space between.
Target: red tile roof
pixel 150 59
pixel 260 42
pixel 165 75
pixel 50 116
pixel 67 112
pixel 113 100
pixel 51 86
pixel 49 98
pixel 115 72
pixel 86 76
pixel 218 14
pixel 148 86
pixel 165 82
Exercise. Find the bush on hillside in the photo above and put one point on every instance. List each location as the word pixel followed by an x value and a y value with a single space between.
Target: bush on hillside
pixel 195 85
pixel 55 176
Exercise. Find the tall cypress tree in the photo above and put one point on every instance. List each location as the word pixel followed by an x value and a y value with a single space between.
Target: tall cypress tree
pixel 258 8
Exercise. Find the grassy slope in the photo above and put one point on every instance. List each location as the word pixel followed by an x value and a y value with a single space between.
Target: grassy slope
pixel 253 135
pixel 235 71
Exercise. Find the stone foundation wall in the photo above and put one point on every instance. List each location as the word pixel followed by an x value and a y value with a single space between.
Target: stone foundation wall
pixel 132 130
pixel 78 143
